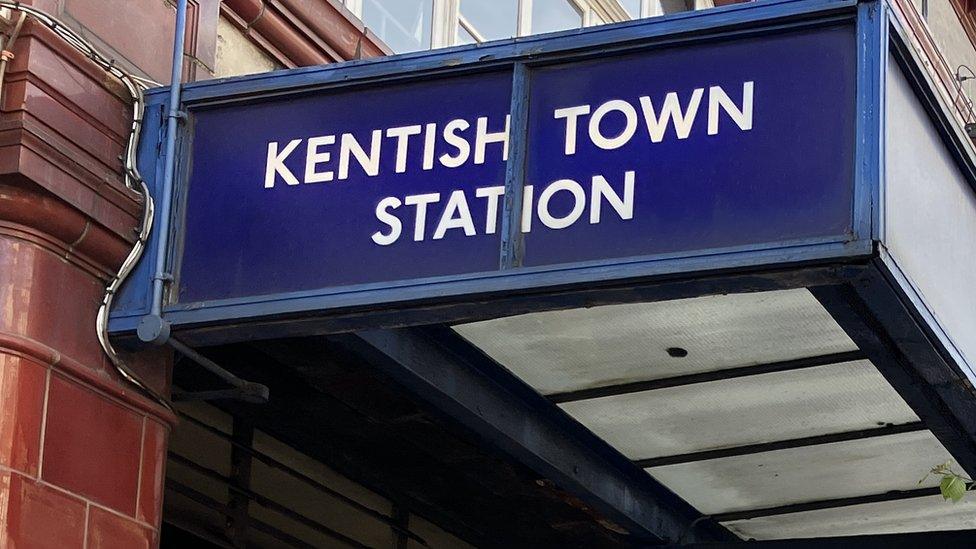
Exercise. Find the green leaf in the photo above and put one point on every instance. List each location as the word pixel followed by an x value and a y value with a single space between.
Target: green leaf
pixel 952 487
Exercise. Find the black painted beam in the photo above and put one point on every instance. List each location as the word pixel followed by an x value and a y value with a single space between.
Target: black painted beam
pixel 705 377
pixel 212 504
pixel 473 308
pixel 342 411
pixel 894 495
pixel 264 502
pixel 914 540
pixel 877 315
pixel 251 453
pixel 464 384
pixel 748 449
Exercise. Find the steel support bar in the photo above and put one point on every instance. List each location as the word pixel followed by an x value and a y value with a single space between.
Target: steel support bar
pixel 749 449
pixel 895 495
pixel 265 502
pixel 241 389
pixel 705 377
pixel 463 384
pixel 213 505
pixel 879 318
pixel 305 479
pixel 958 538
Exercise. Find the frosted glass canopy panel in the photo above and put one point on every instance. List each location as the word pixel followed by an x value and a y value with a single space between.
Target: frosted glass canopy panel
pixel 890 517
pixel 749 410
pixel 559 351
pixel 828 471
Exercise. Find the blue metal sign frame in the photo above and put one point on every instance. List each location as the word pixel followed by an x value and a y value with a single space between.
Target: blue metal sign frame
pixel 437 295
pixel 864 294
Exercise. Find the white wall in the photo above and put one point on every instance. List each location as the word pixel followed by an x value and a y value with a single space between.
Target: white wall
pixel 237 55
pixel 930 217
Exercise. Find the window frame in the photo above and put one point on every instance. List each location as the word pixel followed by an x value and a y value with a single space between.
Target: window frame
pixel 446 16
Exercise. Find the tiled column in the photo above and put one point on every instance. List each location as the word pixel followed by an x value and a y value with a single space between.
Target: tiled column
pixel 81 453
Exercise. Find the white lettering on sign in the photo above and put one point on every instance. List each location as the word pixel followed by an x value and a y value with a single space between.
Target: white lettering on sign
pixel 559 204
pixel 457 210
pixel 276 164
pixel 671 113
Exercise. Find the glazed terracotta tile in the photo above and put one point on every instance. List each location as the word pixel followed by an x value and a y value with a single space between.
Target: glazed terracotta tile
pixel 92 446
pixel 107 530
pixel 49 301
pixel 38 517
pixel 112 20
pixel 22 394
pixel 151 481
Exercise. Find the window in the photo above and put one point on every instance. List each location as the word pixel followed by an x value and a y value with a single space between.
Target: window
pixel 651 8
pixel 554 15
pixel 485 20
pixel 633 8
pixel 464 36
pixel 594 19
pixel 675 6
pixel 410 25
pixel 405 25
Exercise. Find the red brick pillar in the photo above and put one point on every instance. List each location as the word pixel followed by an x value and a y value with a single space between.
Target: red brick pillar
pixel 81 452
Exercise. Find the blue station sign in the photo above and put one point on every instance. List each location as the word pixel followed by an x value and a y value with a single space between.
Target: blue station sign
pixel 606 154
pixel 668 151
pixel 764 146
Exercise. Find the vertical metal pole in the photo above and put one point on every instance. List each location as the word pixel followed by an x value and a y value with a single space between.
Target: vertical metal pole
pixel 512 248
pixel 240 477
pixel 152 327
pixel 872 57
pixel 402 517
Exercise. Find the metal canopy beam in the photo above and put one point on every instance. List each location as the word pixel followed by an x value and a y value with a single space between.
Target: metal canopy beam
pixel 705 377
pixel 874 314
pixel 894 495
pixel 961 538
pixel 748 449
pixel 492 305
pixel 464 384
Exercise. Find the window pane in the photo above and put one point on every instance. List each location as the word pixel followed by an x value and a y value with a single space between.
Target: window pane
pixel 493 19
pixel 463 36
pixel 676 6
pixel 632 7
pixel 554 15
pixel 403 24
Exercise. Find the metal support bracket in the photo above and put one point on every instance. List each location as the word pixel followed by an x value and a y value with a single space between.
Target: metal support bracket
pixel 246 391
pixel 153 329
pixel 250 392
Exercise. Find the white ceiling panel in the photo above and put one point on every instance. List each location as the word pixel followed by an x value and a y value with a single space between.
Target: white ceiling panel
pixel 748 410
pixel 559 351
pixel 891 517
pixel 770 479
